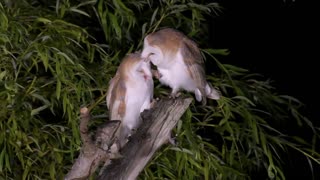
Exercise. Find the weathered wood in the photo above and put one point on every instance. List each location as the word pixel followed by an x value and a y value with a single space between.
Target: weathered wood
pixel 93 153
pixel 152 134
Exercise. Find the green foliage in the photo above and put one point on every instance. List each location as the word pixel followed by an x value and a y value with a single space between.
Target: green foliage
pixel 44 82
pixel 57 56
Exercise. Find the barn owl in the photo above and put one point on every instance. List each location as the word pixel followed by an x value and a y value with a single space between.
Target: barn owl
pixel 130 92
pixel 179 63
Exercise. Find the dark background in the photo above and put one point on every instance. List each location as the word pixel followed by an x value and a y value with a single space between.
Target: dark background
pixel 279 39
pixel 276 38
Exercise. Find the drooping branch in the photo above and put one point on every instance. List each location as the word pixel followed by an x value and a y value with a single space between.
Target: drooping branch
pixel 155 131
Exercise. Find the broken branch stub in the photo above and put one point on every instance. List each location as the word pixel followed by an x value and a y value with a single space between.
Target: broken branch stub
pixel 92 154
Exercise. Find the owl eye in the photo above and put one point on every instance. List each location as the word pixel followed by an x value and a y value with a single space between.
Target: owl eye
pixel 150 54
pixel 140 71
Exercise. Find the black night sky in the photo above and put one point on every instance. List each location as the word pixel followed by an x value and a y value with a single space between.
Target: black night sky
pixel 279 39
pixel 276 38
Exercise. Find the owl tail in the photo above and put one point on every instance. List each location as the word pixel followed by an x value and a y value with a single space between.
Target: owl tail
pixel 209 92
pixel 200 95
pixel 212 93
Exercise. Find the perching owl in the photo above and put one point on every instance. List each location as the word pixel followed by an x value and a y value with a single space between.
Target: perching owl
pixel 130 92
pixel 179 63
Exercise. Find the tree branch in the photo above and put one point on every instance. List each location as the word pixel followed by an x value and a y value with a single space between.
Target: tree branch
pixel 155 131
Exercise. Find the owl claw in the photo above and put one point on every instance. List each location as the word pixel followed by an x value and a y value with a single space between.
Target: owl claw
pixel 153 102
pixel 174 95
pixel 173 140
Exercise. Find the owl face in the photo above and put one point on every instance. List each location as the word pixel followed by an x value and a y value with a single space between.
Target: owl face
pixel 152 53
pixel 134 69
pixel 143 70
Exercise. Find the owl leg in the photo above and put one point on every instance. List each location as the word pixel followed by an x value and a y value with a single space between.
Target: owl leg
pixel 146 105
pixel 115 147
pixel 153 102
pixel 125 131
pixel 174 93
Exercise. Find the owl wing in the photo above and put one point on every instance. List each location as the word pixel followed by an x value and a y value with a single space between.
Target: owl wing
pixel 116 98
pixel 110 89
pixel 195 65
pixel 192 58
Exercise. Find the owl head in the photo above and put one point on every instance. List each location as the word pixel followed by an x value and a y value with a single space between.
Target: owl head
pixel 133 67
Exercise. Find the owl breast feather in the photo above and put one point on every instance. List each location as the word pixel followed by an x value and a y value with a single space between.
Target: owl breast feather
pixel 177 76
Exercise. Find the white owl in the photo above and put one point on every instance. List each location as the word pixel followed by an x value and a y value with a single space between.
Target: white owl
pixel 179 63
pixel 130 93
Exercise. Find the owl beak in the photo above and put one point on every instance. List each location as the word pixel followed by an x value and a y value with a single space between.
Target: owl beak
pixel 145 75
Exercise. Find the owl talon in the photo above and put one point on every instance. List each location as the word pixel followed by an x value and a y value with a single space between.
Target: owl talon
pixel 153 102
pixel 174 95
pixel 173 140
